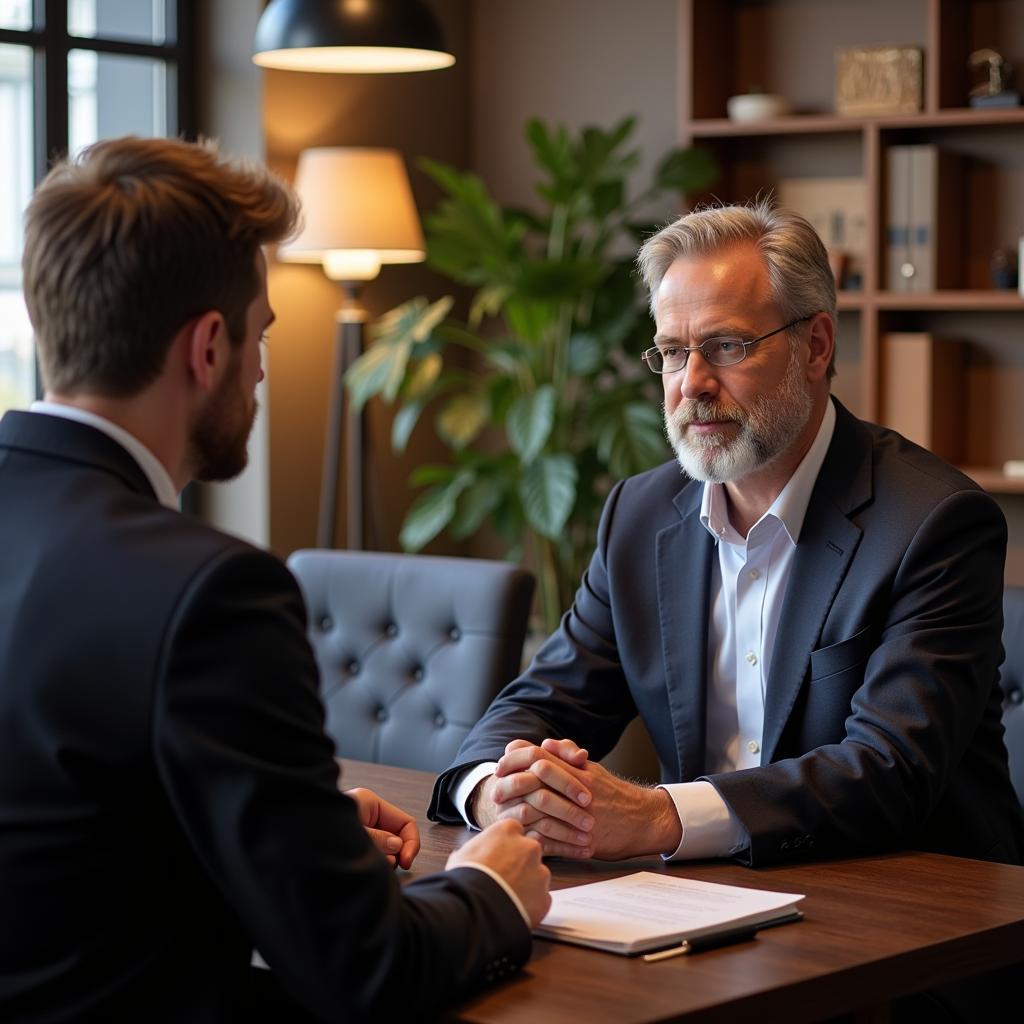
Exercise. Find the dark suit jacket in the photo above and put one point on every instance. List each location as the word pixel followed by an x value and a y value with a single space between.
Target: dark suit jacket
pixel 168 797
pixel 882 712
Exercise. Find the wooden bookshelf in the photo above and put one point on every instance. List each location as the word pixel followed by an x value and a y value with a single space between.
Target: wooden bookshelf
pixel 788 47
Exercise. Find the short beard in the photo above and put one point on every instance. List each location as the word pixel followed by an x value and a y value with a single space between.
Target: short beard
pixel 766 430
pixel 219 439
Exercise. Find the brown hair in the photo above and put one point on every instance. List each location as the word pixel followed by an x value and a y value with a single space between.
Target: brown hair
pixel 795 257
pixel 131 239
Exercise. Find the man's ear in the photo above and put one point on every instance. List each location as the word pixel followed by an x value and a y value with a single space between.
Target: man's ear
pixel 207 349
pixel 823 343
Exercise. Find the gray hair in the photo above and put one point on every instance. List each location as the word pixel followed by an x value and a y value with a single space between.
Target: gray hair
pixel 799 274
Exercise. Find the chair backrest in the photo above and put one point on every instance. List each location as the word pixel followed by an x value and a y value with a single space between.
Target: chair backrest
pixel 411 648
pixel 1012 676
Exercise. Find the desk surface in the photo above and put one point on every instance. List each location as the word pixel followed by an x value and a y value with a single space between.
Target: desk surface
pixel 874 928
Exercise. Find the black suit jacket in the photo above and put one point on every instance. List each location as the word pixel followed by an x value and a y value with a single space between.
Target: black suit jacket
pixel 882 722
pixel 168 797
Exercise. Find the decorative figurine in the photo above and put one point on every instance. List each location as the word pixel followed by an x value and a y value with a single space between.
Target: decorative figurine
pixel 993 88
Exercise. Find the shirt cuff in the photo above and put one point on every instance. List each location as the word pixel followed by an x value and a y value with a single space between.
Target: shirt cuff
pixel 710 829
pixel 465 782
pixel 501 881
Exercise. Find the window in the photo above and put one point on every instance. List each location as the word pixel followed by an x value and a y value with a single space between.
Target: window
pixel 72 72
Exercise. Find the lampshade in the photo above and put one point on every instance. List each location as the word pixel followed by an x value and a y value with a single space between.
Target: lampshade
pixel 350 35
pixel 358 212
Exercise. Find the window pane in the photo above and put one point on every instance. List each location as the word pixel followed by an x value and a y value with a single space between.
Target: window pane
pixel 17 373
pixel 111 95
pixel 141 21
pixel 16 14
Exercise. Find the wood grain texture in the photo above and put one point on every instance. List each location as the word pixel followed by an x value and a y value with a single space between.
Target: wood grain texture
pixel 874 928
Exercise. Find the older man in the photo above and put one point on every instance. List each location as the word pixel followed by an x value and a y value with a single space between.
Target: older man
pixel 809 625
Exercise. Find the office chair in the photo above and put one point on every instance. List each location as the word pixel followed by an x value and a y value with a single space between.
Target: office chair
pixel 1012 678
pixel 411 648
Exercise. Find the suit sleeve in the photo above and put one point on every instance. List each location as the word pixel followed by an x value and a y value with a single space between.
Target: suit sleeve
pixel 574 688
pixel 239 743
pixel 916 707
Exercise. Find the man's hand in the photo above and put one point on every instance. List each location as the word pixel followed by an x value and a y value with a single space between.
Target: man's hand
pixel 627 820
pixel 505 849
pixel 537 787
pixel 393 831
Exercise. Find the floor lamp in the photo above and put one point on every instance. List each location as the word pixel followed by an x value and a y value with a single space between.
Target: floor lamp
pixel 358 213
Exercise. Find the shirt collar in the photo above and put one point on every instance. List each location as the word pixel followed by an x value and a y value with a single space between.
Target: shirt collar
pixel 790 507
pixel 158 477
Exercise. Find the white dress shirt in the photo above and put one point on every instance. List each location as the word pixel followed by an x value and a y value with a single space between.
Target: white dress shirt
pixel 157 475
pixel 747 588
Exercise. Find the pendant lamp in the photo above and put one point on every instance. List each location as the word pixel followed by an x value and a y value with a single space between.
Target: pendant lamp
pixel 359 36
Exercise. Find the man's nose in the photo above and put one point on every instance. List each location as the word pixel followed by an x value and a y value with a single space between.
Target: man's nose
pixel 698 379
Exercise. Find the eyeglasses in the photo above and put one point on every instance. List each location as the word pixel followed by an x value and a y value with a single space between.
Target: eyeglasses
pixel 717 351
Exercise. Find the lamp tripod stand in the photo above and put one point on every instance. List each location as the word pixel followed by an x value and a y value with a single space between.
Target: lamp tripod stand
pixel 341 417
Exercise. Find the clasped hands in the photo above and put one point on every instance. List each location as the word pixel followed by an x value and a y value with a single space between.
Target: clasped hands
pixel 573 806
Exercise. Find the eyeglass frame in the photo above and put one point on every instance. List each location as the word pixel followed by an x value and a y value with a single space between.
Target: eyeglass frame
pixel 646 355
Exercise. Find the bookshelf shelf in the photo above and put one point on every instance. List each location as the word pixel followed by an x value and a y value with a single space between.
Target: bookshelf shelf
pixel 788 47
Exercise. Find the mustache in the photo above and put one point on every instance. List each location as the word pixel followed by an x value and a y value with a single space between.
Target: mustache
pixel 696 410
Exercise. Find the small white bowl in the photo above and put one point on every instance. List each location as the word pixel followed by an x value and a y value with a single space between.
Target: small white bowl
pixel 756 106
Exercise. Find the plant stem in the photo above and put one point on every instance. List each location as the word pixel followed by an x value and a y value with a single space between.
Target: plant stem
pixel 550 601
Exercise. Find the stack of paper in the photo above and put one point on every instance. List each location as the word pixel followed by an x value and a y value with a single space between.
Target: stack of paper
pixel 645 910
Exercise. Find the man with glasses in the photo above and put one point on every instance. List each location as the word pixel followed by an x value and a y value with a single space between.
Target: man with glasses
pixel 808 621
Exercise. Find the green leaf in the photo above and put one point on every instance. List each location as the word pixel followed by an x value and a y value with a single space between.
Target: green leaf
pixel 432 473
pixel 474 505
pixel 378 371
pixel 529 422
pixel 687 170
pixel 423 375
pixel 462 419
pixel 403 424
pixel 430 513
pixel 586 355
pixel 631 438
pixel 488 302
pixel 548 492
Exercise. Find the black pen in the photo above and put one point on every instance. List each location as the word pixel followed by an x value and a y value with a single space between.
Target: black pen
pixel 727 937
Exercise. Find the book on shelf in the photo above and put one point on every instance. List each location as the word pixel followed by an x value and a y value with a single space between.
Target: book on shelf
pixel 645 911
pixel 922 391
pixel 923 219
pixel 837 208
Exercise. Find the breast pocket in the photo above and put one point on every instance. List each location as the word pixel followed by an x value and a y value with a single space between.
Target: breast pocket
pixel 843 656
pixel 837 671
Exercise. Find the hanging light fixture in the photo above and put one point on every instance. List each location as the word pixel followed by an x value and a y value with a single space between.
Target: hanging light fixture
pixel 361 36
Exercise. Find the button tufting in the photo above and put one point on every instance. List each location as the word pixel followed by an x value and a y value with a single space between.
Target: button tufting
pixel 353 667
pixel 417 675
pixel 325 623
pixel 439 721
pixel 391 629
pixel 454 633
pixel 1016 695
pixel 382 714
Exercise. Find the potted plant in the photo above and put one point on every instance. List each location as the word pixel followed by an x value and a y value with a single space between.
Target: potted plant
pixel 553 405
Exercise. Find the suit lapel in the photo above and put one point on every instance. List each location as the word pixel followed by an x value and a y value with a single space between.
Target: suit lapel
pixel 684 553
pixel 827 544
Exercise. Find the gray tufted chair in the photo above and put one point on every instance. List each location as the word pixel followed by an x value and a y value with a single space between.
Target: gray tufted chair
pixel 411 648
pixel 1013 683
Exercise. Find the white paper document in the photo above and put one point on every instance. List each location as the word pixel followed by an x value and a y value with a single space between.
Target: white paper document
pixel 646 911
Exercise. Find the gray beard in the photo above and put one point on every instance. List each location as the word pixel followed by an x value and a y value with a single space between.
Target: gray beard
pixel 766 430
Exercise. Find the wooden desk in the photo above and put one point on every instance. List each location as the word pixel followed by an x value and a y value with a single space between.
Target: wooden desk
pixel 874 928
